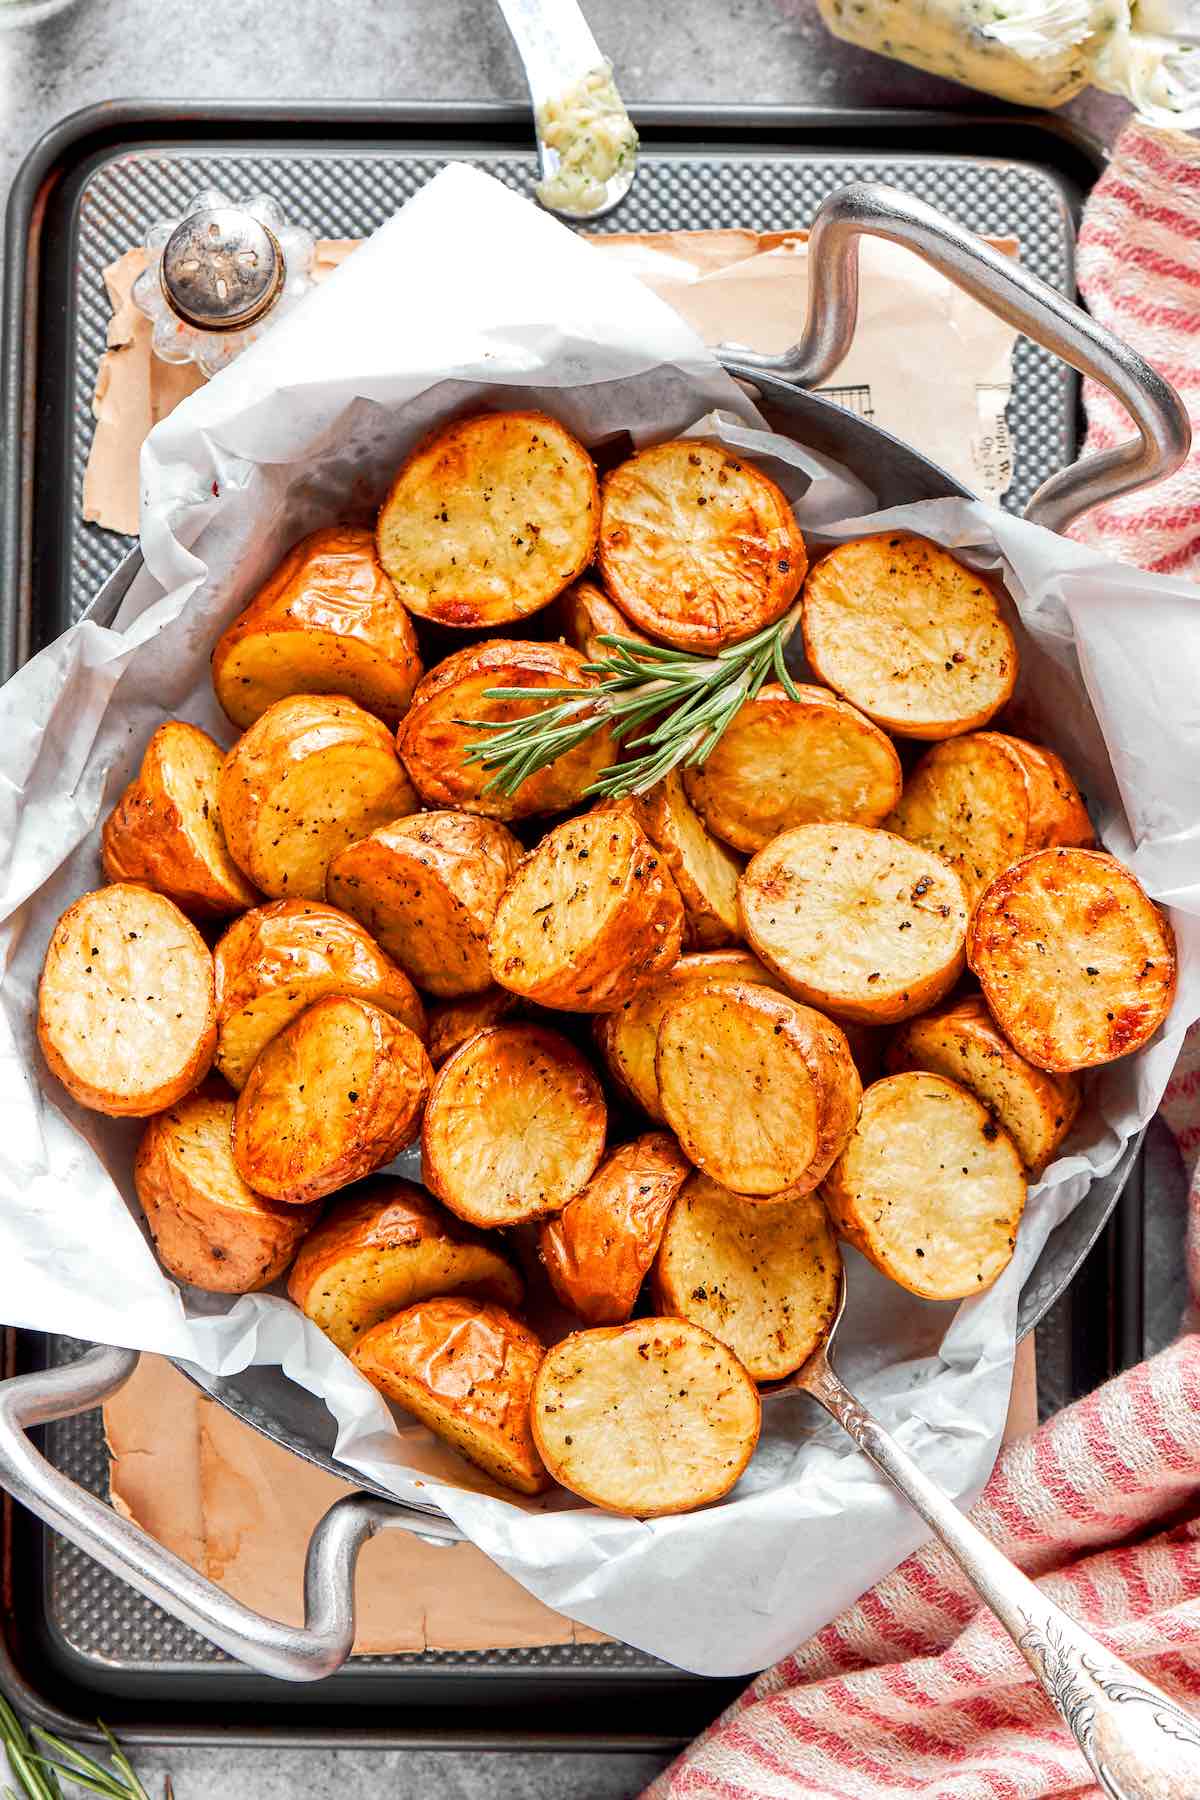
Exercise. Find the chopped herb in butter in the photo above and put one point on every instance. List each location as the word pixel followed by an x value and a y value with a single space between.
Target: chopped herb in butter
pixel 593 139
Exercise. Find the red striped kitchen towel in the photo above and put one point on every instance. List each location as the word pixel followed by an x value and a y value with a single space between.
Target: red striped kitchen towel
pixel 916 1690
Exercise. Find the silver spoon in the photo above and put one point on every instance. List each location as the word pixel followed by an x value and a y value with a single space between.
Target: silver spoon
pixel 1139 1744
pixel 557 48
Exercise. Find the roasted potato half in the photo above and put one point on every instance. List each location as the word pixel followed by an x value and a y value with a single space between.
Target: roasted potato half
pixel 465 1370
pixel 909 636
pixel 165 830
pixel 763 1279
pixel 326 621
pixel 385 1247
pixel 336 1094
pixel 928 1187
pixel 703 870
pixel 489 519
pixel 855 920
pixel 427 889
pixel 126 1015
pixel 209 1228
pixel 785 762
pixel 698 546
pixel 313 774
pixel 1075 960
pixel 514 1127
pixel 585 614
pixel 962 1042
pixel 984 800
pixel 760 1090
pixel 591 916
pixel 278 959
pixel 598 1249
pixel 648 1418
pixel 628 1039
pixel 439 730
pixel 452 1022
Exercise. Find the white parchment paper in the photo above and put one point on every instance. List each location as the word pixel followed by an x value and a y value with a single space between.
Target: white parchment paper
pixel 305 429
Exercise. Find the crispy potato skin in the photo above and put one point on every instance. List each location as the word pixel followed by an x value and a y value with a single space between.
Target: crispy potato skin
pixel 855 920
pixel 763 1279
pixel 311 775
pixel 337 1093
pixel 466 1371
pixel 165 830
pixel 785 762
pixel 649 1418
pixel 590 916
pixel 760 1091
pixel 278 959
pixel 489 519
pixel 453 1023
pixel 698 546
pixel 963 1043
pixel 1076 963
pixel 585 614
pixel 628 1039
pixel 928 1187
pixel 514 1127
pixel 909 635
pixel 427 889
pixel 209 1228
pixel 703 870
pixel 385 1247
pixel 126 1013
pixel 326 621
pixel 433 740
pixel 598 1249
pixel 986 799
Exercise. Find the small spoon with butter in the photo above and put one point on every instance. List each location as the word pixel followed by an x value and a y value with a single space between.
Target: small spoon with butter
pixel 587 145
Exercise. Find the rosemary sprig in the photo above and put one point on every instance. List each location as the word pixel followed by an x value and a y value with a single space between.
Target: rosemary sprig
pixel 39 1774
pixel 686 700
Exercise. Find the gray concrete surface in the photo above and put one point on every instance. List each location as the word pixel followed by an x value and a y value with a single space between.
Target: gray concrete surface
pixel 683 50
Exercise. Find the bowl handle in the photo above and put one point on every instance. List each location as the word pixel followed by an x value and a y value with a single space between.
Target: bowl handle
pixel 305 1652
pixel 1026 302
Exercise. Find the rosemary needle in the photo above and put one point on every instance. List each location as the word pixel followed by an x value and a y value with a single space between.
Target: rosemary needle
pixel 686 701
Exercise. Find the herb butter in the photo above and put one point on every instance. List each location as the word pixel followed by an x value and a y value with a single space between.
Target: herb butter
pixel 592 136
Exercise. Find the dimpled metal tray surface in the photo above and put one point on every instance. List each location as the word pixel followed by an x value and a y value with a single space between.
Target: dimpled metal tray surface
pixel 85 197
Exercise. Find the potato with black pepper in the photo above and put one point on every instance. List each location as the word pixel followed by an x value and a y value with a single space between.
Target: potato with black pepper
pixel 598 1249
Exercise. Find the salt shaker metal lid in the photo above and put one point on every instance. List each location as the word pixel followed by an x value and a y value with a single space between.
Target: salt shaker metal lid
pixel 220 274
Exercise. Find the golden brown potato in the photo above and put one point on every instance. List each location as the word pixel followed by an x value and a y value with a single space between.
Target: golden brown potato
pixel 514 1127
pixel 489 519
pixel 313 774
pixel 628 1039
pixel 585 614
pixel 209 1228
pixel 466 1371
pixel 763 1279
pixel 453 1022
pixel 278 959
pixel 438 731
pixel 698 546
pixel 1076 963
pixel 962 1043
pixel 703 870
pixel 126 1017
pixel 929 1187
pixel 909 635
pixel 600 1246
pixel 591 916
pixel 785 762
pixel 760 1091
pixel 335 1095
pixel 648 1418
pixel 427 889
pixel 856 921
pixel 327 621
pixel 983 800
pixel 385 1247
pixel 165 830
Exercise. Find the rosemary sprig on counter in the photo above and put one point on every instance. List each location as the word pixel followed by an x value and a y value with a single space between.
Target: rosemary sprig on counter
pixel 686 700
pixel 39 1774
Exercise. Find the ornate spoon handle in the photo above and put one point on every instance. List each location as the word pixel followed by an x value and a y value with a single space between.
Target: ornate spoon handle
pixel 1139 1744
